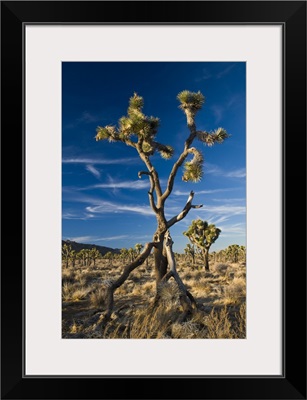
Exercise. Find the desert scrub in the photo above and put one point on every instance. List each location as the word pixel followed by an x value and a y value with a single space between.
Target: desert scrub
pixel 221 269
pixel 67 290
pixel 79 294
pixel 169 293
pixel 235 292
pixel 68 275
pixel 97 298
pixel 218 325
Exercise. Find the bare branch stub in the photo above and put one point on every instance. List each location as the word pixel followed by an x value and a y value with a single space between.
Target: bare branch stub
pixel 185 210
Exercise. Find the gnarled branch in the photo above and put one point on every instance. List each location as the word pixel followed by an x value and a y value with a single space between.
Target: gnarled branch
pixel 152 188
pixel 184 212
pixel 111 286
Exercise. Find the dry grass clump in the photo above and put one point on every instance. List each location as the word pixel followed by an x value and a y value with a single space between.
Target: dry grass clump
pixel 235 292
pixel 79 294
pixel 169 293
pixel 221 269
pixel 97 298
pixel 68 275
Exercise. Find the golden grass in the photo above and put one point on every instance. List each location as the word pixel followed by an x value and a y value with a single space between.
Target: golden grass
pixel 220 295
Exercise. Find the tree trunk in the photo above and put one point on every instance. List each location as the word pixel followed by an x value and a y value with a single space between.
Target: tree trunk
pixel 206 259
pixel 159 257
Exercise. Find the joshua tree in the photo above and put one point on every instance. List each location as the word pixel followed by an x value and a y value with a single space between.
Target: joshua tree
pixel 109 256
pixel 232 252
pixel 203 235
pixel 138 247
pixel 131 254
pixel 66 252
pixel 242 253
pixel 124 254
pixel 190 252
pixel 72 258
pixel 139 131
pixel 94 254
pixel 82 255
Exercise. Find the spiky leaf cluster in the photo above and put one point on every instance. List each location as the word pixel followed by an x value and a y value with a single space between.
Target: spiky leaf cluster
pixel 193 170
pixel 136 124
pixel 209 138
pixel 202 234
pixel 190 101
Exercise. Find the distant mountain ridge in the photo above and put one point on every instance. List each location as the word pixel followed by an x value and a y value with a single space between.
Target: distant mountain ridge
pixel 79 246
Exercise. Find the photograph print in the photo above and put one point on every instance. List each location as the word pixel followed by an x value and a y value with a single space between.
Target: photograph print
pixel 154 200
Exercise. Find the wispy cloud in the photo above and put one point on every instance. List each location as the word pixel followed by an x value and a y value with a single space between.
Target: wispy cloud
pixel 133 185
pixel 224 209
pixel 186 193
pixel 232 199
pixel 107 207
pixel 85 118
pixel 238 173
pixel 215 170
pixel 80 239
pixel 206 74
pixel 77 216
pixel 225 71
pixel 218 112
pixel 100 161
pixel 234 229
pixel 110 238
pixel 93 170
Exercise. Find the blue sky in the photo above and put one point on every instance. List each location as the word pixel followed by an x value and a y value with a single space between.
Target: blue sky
pixel 103 200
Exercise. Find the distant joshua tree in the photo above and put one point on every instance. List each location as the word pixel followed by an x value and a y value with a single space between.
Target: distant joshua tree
pixel 139 131
pixel 66 252
pixel 190 252
pixel 109 256
pixel 138 247
pixel 234 252
pixel 203 235
pixel 72 257
pixel 94 255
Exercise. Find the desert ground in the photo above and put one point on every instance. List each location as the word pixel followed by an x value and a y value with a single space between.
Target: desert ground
pixel 220 295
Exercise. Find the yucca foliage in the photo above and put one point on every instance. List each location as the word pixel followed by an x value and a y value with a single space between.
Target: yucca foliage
pixel 136 130
pixel 139 131
pixel 203 235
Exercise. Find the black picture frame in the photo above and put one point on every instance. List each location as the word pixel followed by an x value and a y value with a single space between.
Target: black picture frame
pixel 292 16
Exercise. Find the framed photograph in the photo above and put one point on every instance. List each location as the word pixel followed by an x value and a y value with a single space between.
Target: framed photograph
pixel 163 155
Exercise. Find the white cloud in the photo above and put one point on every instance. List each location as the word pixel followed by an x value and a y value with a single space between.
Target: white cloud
pixel 80 239
pixel 234 230
pixel 105 207
pixel 225 71
pixel 215 170
pixel 238 173
pixel 134 185
pixel 80 216
pixel 93 170
pixel 186 193
pixel 218 113
pixel 101 161
pixel 107 239
pixel 224 209
pixel 206 75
